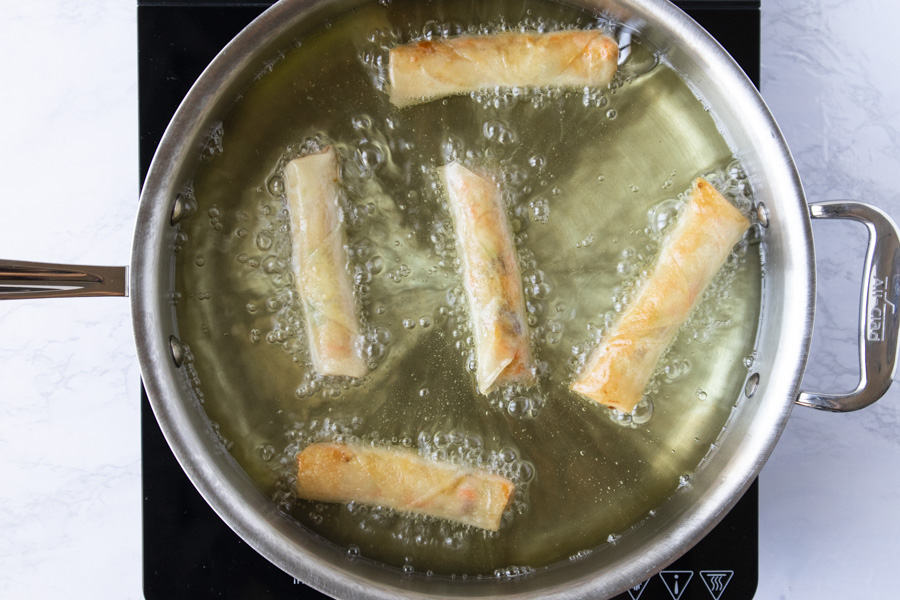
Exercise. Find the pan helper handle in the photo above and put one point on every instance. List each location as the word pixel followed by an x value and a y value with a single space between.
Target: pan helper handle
pixel 879 307
pixel 29 280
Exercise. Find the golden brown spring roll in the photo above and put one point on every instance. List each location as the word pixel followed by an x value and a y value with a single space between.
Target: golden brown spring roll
pixel 618 370
pixel 401 480
pixel 320 265
pixel 425 70
pixel 490 277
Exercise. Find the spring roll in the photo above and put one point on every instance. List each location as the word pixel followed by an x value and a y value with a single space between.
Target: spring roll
pixel 618 370
pixel 401 480
pixel 425 70
pixel 319 261
pixel 491 279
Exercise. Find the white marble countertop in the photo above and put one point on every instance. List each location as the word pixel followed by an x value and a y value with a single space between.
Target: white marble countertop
pixel 70 495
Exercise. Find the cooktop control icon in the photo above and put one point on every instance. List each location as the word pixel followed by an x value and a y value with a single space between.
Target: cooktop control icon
pixel 676 582
pixel 716 581
pixel 636 591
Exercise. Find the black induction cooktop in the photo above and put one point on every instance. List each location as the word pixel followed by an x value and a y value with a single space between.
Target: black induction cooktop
pixel 188 552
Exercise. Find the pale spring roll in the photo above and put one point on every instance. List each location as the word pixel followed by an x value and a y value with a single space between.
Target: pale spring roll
pixel 425 70
pixel 401 480
pixel 319 261
pixel 619 369
pixel 490 277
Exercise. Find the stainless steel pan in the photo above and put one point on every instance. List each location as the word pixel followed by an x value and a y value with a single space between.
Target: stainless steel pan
pixel 785 329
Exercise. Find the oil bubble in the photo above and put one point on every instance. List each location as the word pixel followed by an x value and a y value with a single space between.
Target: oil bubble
pixel 525 472
pixel 431 30
pixel 213 145
pixel 375 265
pixel 663 214
pixel 540 291
pixel 749 360
pixel 375 352
pixel 272 264
pixel 369 156
pixel 517 407
pixel 307 389
pixel 181 239
pixel 540 210
pixel 361 122
pixel 508 455
pixel 452 542
pixel 537 161
pixel 643 411
pixel 266 452
pixel 498 131
pixel 676 369
pixel 399 273
pixel 275 185
pixel 453 149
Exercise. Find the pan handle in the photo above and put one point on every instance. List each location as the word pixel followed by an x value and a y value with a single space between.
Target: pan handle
pixel 879 318
pixel 20 280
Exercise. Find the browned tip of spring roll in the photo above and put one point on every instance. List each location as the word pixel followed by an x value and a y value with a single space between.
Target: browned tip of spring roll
pixel 425 70
pixel 619 369
pixel 319 260
pixel 401 480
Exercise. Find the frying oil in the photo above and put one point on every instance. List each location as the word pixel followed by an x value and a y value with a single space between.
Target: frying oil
pixel 592 180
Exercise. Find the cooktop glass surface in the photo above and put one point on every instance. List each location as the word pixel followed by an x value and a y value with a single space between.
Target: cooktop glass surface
pixel 188 551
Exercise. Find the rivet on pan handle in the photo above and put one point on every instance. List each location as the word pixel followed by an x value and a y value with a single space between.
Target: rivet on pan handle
pixel 27 280
pixel 879 307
